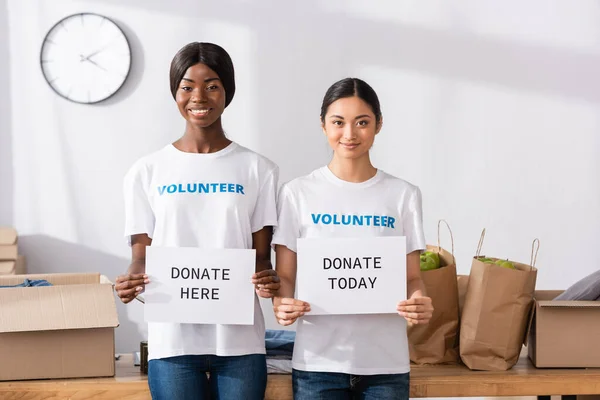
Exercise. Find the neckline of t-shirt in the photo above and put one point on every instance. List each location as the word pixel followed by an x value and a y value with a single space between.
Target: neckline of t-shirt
pixel 226 150
pixel 352 185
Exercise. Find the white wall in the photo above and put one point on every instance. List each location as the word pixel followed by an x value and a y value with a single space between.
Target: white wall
pixel 493 109
pixel 6 167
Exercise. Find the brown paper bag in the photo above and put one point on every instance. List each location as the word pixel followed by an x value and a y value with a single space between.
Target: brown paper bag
pixel 463 282
pixel 496 313
pixel 437 341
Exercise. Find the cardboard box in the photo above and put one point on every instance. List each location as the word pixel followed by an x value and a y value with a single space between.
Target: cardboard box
pixel 17 267
pixel 564 334
pixel 8 236
pixel 8 252
pixel 60 331
pixel 8 244
pixel 8 267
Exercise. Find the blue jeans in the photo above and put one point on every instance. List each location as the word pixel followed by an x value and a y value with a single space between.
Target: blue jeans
pixel 184 377
pixel 336 386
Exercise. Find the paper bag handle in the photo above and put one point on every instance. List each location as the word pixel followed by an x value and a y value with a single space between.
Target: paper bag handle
pixel 480 245
pixel 534 256
pixel 451 237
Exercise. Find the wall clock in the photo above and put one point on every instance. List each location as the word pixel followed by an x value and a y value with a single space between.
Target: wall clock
pixel 85 58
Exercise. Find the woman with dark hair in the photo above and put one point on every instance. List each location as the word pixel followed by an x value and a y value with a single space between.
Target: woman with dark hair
pixel 350 356
pixel 204 213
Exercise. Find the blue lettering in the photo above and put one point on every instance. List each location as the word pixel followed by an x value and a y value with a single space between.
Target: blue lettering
pixel 200 188
pixel 350 219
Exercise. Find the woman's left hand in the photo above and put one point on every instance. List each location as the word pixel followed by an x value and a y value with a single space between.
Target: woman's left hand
pixel 266 283
pixel 417 310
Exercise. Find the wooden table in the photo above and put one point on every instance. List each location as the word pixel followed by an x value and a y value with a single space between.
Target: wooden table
pixel 523 379
pixel 426 381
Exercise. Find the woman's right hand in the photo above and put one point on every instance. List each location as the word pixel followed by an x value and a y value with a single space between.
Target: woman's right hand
pixel 130 285
pixel 288 310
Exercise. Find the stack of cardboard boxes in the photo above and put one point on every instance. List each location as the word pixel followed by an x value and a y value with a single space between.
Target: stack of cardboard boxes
pixel 11 262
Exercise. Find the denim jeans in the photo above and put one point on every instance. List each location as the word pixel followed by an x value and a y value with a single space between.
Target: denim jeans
pixel 310 385
pixel 184 377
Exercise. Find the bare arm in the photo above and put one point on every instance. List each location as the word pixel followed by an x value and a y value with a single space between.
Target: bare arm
pixel 261 242
pixel 265 279
pixel 287 309
pixel 132 283
pixel 286 269
pixel 418 308
pixel 414 284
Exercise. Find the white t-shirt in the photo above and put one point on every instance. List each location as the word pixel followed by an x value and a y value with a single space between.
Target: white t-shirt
pixel 214 200
pixel 322 205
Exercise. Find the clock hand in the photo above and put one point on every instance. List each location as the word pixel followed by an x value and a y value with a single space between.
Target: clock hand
pixel 96 64
pixel 86 58
pixel 96 52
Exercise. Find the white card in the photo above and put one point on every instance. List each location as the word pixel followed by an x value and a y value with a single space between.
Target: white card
pixel 199 286
pixel 352 275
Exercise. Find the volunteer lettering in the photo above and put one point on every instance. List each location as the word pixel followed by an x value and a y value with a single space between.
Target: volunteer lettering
pixel 385 221
pixel 201 188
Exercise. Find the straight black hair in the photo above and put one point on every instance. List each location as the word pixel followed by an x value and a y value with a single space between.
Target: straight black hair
pixel 349 87
pixel 209 54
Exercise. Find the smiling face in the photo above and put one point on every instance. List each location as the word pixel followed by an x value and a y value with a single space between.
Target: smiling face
pixel 200 96
pixel 350 126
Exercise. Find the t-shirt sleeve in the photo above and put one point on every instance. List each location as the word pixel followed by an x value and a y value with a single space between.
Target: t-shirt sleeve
pixel 265 211
pixel 412 221
pixel 288 228
pixel 139 217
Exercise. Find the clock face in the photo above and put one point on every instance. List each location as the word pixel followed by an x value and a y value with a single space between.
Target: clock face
pixel 85 58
